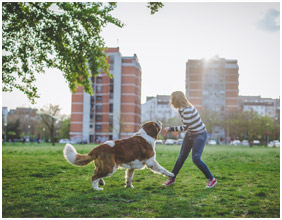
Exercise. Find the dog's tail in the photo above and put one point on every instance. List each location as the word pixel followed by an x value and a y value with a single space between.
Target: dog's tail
pixel 74 158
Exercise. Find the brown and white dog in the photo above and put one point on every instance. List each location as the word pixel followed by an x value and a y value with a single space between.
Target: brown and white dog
pixel 132 153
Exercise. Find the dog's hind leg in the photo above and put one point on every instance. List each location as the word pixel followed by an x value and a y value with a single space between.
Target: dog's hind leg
pixel 102 170
pixel 95 180
pixel 128 178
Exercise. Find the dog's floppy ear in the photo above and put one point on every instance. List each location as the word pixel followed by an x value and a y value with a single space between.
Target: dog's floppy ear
pixel 152 129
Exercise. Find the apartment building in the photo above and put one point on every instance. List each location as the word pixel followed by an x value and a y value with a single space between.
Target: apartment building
pixel 114 111
pixel 263 106
pixel 157 108
pixel 213 84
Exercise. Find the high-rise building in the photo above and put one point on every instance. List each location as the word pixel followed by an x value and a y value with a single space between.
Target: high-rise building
pixel 114 111
pixel 213 84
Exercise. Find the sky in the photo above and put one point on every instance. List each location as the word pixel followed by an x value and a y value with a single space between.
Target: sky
pixel 163 43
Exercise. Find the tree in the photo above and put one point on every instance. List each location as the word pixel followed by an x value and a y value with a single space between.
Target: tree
pixel 276 130
pixel 250 126
pixel 154 6
pixel 28 121
pixel 211 119
pixel 62 35
pixel 65 128
pixel 239 124
pixel 49 116
pixel 266 128
pixel 13 130
pixel 40 131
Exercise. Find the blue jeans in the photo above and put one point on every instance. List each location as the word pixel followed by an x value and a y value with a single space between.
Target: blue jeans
pixel 196 142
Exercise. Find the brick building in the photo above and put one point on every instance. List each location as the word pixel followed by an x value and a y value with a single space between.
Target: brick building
pixel 212 85
pixel 114 111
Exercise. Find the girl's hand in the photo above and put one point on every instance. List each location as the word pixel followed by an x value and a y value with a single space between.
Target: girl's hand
pixel 165 131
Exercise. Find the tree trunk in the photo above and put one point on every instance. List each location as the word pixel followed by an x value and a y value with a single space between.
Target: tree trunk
pixel 52 138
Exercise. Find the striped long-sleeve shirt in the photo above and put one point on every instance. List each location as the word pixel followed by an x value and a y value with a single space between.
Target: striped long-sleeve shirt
pixel 191 120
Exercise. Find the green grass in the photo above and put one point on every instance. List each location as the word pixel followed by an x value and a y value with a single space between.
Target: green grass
pixel 38 182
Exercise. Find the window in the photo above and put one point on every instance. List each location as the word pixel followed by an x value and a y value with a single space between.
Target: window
pixel 98 117
pixel 111 123
pixel 98 127
pixel 112 62
pixel 99 79
pixel 98 108
pixel 111 108
pixel 92 99
pixel 111 88
pixel 99 88
pixel 99 98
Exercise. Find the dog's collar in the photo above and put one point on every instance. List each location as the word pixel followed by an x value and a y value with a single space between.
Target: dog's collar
pixel 159 124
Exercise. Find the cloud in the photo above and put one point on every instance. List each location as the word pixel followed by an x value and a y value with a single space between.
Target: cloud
pixel 271 21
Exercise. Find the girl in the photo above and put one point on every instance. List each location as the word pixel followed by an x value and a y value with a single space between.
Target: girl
pixel 195 137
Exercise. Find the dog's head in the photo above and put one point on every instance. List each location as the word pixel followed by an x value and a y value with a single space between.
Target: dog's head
pixel 152 128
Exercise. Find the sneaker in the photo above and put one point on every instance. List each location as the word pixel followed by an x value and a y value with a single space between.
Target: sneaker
pixel 211 183
pixel 169 182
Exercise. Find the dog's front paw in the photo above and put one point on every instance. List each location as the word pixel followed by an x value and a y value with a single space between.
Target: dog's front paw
pixel 129 186
pixel 170 174
pixel 99 189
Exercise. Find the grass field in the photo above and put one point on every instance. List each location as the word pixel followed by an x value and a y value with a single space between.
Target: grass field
pixel 38 182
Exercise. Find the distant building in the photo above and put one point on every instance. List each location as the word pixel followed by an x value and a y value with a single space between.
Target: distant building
pixel 157 108
pixel 212 85
pixel 27 116
pixel 5 114
pixel 263 106
pixel 24 112
pixel 114 111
